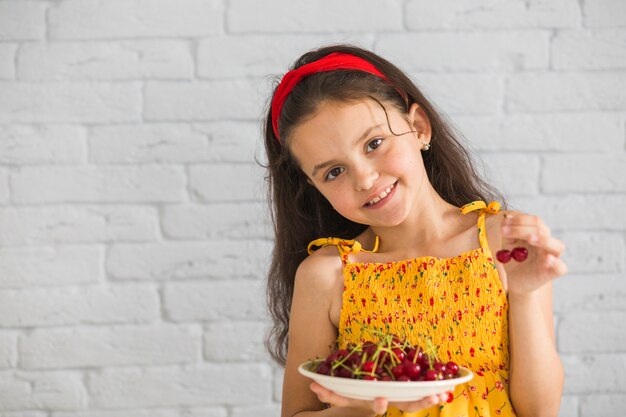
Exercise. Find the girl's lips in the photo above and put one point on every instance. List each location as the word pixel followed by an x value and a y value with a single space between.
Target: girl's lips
pixel 384 199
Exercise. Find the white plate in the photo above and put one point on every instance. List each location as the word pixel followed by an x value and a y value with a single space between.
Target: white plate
pixel 391 390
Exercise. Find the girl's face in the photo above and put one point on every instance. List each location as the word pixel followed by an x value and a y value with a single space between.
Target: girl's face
pixel 367 174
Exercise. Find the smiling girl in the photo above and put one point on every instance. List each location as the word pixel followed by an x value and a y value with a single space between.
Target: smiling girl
pixel 380 218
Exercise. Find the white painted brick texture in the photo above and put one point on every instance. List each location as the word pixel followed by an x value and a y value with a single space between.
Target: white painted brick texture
pixel 134 233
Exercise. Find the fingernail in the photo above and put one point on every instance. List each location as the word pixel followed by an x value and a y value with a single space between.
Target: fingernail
pixel 506 231
pixel 534 239
pixel 550 260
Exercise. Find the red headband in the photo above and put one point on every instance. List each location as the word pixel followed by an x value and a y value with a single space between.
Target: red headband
pixel 331 62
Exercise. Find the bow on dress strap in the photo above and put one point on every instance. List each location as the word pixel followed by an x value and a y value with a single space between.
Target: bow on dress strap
pixel 345 246
pixel 491 208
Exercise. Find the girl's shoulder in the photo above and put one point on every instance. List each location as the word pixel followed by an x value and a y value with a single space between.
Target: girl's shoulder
pixel 321 269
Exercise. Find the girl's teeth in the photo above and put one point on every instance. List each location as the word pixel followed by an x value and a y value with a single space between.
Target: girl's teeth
pixel 380 196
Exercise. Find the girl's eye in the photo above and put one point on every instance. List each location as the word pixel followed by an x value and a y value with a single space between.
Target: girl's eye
pixel 333 173
pixel 374 143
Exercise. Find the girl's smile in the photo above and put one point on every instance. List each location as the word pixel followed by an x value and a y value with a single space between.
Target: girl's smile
pixel 364 158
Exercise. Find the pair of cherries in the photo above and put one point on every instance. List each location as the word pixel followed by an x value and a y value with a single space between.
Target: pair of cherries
pixel 519 254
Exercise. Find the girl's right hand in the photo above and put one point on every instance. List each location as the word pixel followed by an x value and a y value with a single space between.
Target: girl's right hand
pixel 379 405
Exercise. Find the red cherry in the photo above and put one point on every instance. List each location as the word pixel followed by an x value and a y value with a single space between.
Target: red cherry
pixel 400 355
pixel 403 378
pixel 412 370
pixel 324 368
pixel 519 254
pixel 398 371
pixel 370 378
pixel 430 375
pixel 503 255
pixel 452 368
pixel 368 366
pixel 345 373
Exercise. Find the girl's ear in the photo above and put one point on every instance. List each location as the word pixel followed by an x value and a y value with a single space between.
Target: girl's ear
pixel 419 121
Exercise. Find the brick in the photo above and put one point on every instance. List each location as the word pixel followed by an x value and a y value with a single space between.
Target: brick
pixel 466 51
pixel 235 341
pixel 180 143
pixel 475 94
pixel 8 350
pixel 92 19
pixel 601 173
pixel 594 373
pixel 603 49
pixel 258 411
pixel 239 300
pixel 4 185
pixel 142 183
pixel 569 91
pixel 113 346
pixel 158 142
pixel 594 252
pixel 569 406
pixel 604 13
pixel 503 170
pixel 203 100
pixel 124 60
pixel 70 102
pixel 50 265
pixel 575 212
pixel 241 182
pixel 288 16
pixel 184 260
pixel 486 14
pixel 217 60
pixel 205 412
pixel 22 20
pixel 42 390
pixel 602 405
pixel 24 414
pixel 7 60
pixel 113 304
pixel 209 384
pixel 77 224
pixel 592 332
pixel 592 292
pixel 544 132
pixel 216 221
pixel 232 141
pixel 279 375
pixel 42 144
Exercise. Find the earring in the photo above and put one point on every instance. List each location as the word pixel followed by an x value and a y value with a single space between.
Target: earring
pixel 426 146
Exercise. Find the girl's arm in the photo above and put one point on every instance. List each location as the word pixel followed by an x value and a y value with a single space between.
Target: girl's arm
pixel 318 283
pixel 312 333
pixel 536 372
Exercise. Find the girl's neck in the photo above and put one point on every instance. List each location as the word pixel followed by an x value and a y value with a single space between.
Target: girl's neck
pixel 433 221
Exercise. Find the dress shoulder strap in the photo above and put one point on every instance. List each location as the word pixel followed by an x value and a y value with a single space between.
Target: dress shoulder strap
pixel 344 246
pixel 491 208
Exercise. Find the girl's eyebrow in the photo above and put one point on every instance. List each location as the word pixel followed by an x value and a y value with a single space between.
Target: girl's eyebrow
pixel 317 167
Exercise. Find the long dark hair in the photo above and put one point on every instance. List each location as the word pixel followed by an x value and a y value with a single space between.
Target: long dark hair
pixel 300 213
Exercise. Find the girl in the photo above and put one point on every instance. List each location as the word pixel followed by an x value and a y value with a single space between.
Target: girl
pixel 370 191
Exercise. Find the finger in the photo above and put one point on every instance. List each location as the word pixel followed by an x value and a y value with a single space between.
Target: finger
pixel 535 238
pixel 380 406
pixel 554 265
pixel 530 232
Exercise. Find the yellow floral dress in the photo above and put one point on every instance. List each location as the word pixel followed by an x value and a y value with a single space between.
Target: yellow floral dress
pixel 459 303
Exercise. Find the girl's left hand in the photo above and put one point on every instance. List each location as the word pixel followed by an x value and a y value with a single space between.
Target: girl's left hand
pixel 544 262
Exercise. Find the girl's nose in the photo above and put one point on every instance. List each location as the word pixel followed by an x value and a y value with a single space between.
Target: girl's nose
pixel 364 178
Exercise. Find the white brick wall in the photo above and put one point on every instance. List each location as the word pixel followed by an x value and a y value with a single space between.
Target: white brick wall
pixel 133 233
